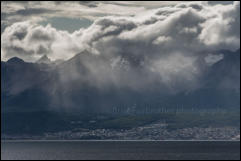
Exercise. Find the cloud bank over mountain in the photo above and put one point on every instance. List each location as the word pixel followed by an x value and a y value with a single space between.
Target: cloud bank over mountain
pixel 172 45
pixel 185 27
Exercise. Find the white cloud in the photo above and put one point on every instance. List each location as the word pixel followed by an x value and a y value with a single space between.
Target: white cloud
pixel 162 40
pixel 211 59
pixel 30 41
pixel 223 28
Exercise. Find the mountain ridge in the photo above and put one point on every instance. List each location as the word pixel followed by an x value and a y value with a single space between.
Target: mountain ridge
pixel 67 85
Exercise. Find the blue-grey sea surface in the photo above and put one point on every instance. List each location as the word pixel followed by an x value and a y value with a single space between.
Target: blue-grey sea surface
pixel 121 150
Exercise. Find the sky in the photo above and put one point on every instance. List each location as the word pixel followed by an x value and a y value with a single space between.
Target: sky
pixel 72 15
pixel 142 29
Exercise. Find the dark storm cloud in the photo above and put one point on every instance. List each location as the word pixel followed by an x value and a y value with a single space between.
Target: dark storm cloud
pixel 33 11
pixel 194 5
pixel 220 2
pixel 89 3
pixel 111 27
pixel 20 34
pixel 39 35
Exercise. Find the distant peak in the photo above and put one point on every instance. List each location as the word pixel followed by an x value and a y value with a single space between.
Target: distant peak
pixel 44 59
pixel 238 51
pixel 84 52
pixel 15 60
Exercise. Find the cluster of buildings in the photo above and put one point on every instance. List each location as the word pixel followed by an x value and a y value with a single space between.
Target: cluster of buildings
pixel 155 131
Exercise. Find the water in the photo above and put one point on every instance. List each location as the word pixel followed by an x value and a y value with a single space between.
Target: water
pixel 108 150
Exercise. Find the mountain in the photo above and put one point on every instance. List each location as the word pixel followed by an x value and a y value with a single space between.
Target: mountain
pixel 24 85
pixel 44 59
pixel 68 86
pixel 221 84
pixel 225 73
pixel 15 60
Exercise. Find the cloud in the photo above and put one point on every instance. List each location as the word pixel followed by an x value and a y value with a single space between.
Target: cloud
pixel 33 11
pixel 164 46
pixel 162 40
pixel 12 12
pixel 30 41
pixel 211 59
pixel 223 30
